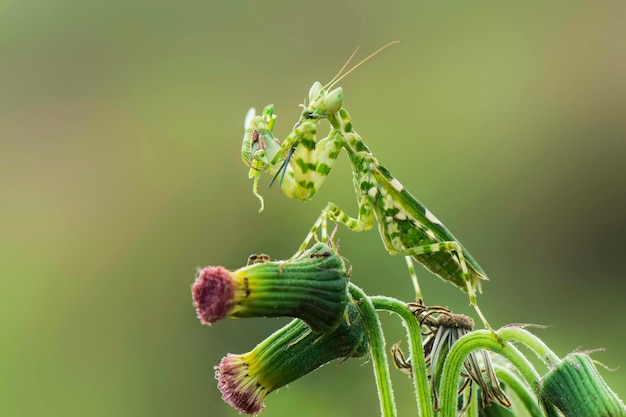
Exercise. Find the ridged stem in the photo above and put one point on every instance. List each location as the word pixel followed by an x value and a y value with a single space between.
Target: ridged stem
pixel 420 377
pixel 377 351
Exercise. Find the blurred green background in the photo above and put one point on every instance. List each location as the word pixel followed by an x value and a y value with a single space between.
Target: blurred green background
pixel 120 173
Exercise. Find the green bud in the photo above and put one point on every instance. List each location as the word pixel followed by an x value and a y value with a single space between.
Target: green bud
pixel 290 353
pixel 576 388
pixel 312 287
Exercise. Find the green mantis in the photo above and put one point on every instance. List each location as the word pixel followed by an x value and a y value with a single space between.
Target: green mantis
pixel 302 162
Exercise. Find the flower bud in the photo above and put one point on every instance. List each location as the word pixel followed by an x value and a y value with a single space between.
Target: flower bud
pixel 288 354
pixel 312 287
pixel 576 388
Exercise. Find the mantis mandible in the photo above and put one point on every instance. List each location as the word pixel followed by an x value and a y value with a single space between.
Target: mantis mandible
pixel 302 163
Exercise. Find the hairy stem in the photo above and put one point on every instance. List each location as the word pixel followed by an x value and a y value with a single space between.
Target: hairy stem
pixel 377 349
pixel 532 342
pixel 479 339
pixel 420 377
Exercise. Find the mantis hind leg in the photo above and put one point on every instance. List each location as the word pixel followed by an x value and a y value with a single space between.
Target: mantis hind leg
pixel 413 275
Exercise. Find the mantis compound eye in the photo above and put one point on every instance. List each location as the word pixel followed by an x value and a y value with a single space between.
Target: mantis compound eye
pixel 333 101
pixel 315 90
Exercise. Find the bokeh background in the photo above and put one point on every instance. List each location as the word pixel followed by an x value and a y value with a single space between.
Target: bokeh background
pixel 120 173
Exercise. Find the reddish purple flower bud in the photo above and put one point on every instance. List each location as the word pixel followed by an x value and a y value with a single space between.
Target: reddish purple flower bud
pixel 213 293
pixel 288 354
pixel 238 389
pixel 312 287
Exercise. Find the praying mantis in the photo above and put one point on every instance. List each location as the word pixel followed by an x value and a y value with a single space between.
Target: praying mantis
pixel 302 162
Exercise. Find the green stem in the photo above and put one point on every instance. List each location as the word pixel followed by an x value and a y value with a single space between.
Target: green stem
pixel 473 410
pixel 523 392
pixel 377 349
pixel 535 344
pixel 420 377
pixel 479 339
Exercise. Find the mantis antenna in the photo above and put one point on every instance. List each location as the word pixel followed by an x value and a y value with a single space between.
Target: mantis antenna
pixel 283 167
pixel 338 78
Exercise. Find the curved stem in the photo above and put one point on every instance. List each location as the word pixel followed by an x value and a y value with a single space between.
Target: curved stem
pixel 473 410
pixel 523 392
pixel 420 377
pixel 535 344
pixel 479 339
pixel 377 349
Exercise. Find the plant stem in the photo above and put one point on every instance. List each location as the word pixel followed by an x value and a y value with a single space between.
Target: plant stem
pixel 473 411
pixel 479 339
pixel 377 349
pixel 523 392
pixel 420 377
pixel 535 344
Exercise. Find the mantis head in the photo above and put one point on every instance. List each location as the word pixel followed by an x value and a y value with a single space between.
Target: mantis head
pixel 322 102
